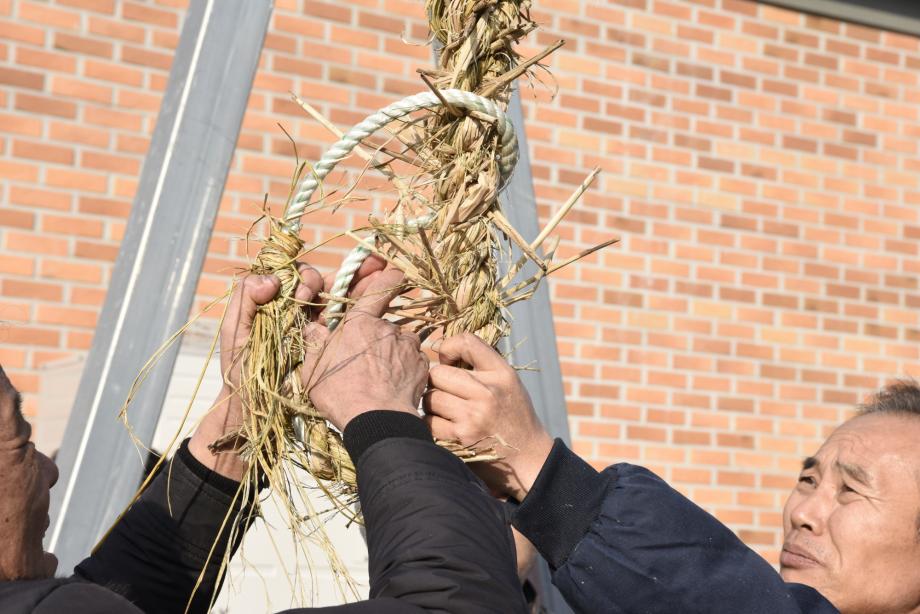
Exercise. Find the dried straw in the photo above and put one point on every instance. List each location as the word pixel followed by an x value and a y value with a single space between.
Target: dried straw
pixel 445 165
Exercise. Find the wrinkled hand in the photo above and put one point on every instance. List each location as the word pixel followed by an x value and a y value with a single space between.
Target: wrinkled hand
pixel 367 363
pixel 488 400
pixel 250 293
pixel 227 416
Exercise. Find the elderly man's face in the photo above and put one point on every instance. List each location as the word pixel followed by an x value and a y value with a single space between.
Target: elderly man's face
pixel 26 477
pixel 851 523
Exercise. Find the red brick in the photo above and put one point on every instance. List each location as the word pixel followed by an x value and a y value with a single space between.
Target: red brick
pixel 45 106
pixel 79 180
pixel 13 171
pixel 115 73
pixel 28 335
pixel 82 45
pixel 15 218
pixel 71 271
pixel 57 62
pixel 111 163
pixel 146 14
pixel 112 118
pixel 21 32
pixel 21 78
pixel 98 6
pixel 297 66
pixel 49 16
pixel 34 290
pixel 79 318
pixel 43 152
pixel 145 57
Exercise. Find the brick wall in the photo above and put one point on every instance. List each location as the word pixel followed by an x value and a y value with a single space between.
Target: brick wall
pixel 760 166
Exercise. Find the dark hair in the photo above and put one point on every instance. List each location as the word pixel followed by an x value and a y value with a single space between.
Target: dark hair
pixel 899 397
pixel 902 398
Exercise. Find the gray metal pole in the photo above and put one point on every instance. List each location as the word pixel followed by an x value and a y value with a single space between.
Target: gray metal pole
pixel 533 336
pixel 154 280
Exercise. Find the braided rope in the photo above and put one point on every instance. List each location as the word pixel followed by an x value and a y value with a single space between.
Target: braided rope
pixel 373 123
pixel 344 146
pixel 426 100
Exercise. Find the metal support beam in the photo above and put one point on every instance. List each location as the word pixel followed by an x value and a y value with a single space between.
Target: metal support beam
pixel 533 336
pixel 153 284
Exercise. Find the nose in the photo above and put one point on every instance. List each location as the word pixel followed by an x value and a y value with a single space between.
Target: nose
pixel 809 512
pixel 51 471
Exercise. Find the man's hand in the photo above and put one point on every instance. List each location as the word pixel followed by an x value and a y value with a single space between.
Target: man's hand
pixel 489 400
pixel 250 293
pixel 367 363
pixel 227 414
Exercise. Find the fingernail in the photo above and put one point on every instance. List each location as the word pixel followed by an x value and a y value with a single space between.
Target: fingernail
pixel 436 346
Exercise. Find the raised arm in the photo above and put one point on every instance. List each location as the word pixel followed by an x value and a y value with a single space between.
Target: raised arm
pixel 437 541
pixel 617 541
pixel 171 543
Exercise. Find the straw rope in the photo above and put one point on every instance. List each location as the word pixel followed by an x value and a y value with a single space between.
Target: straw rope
pixel 508 153
pixel 371 124
pixel 445 233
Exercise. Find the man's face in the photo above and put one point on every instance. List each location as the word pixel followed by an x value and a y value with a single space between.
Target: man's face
pixel 26 477
pixel 851 523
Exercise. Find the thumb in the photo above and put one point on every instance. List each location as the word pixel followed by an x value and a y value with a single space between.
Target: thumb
pixel 251 292
pixel 469 349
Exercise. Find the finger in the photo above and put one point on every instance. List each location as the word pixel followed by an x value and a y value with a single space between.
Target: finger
pixel 366 275
pixel 441 428
pixel 251 291
pixel 371 265
pixel 311 283
pixel 370 269
pixel 445 405
pixel 469 349
pixel 376 298
pixel 413 340
pixel 458 382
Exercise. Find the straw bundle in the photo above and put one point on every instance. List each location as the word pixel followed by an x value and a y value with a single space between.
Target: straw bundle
pixel 449 151
pixel 445 234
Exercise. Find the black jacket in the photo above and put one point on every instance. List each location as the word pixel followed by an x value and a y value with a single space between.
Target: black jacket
pixel 437 542
pixel 623 541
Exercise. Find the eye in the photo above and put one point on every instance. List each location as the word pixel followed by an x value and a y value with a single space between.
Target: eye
pixel 807 480
pixel 845 488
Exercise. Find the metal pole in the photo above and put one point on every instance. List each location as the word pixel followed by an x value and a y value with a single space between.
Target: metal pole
pixel 156 274
pixel 533 337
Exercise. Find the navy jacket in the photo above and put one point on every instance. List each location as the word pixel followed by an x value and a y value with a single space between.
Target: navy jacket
pixel 623 541
pixel 437 541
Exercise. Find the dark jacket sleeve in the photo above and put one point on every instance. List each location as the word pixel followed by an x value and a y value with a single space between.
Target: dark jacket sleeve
pixel 57 595
pixel 437 541
pixel 176 530
pixel 624 541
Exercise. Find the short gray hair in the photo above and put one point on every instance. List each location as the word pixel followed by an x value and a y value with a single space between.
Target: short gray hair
pixel 900 397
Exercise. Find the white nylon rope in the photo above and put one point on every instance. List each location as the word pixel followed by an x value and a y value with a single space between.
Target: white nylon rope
pixel 508 156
